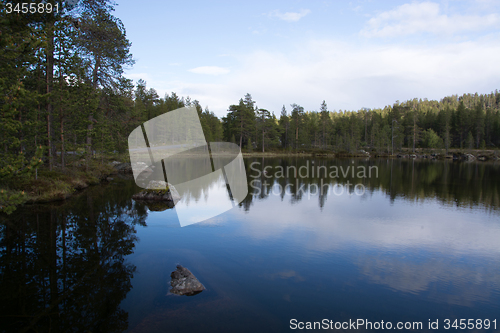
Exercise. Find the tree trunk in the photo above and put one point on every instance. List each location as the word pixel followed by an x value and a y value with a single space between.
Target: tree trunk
pixel 90 118
pixel 366 126
pixel 286 134
pixel 263 141
pixel 241 132
pixel 102 145
pixel 414 133
pixel 297 137
pixel 50 79
pixel 89 142
pixel 324 136
pixel 61 122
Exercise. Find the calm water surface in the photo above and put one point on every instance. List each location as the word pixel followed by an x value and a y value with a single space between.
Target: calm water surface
pixel 416 241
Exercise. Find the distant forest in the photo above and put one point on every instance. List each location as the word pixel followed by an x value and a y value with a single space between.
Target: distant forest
pixel 63 90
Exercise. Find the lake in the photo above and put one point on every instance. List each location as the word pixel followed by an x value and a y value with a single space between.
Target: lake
pixel 414 242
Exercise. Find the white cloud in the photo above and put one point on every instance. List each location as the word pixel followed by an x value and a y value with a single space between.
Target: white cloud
pixel 217 96
pixel 347 76
pixel 290 16
pixel 350 77
pixel 425 17
pixel 209 70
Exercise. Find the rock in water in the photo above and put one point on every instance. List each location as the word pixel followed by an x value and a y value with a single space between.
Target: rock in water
pixel 184 282
pixel 158 191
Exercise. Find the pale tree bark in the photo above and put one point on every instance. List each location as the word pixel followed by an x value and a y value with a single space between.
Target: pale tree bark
pixel 50 79
pixel 91 119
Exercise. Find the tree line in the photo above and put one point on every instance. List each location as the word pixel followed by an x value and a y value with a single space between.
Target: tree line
pixel 467 122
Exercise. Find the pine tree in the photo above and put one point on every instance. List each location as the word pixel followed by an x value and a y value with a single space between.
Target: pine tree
pixel 103 42
pixel 461 122
pixel 296 122
pixel 479 123
pixel 240 121
pixel 285 125
pixel 325 123
pixel 469 143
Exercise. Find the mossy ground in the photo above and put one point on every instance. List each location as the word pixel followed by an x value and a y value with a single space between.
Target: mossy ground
pixel 60 183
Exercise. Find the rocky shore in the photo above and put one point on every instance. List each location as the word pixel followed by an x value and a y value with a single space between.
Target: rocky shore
pixel 455 154
pixel 452 156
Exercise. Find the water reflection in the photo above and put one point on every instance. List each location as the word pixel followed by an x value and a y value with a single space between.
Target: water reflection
pixel 63 267
pixel 428 230
pixel 446 281
pixel 421 243
pixel 456 184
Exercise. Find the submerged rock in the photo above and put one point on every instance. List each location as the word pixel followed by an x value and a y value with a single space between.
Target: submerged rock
pixel 184 282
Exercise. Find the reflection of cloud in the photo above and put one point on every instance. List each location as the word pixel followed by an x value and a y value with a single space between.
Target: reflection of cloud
pixel 285 275
pixel 371 221
pixel 407 275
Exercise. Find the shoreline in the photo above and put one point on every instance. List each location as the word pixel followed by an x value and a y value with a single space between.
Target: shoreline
pixel 59 185
pixel 455 154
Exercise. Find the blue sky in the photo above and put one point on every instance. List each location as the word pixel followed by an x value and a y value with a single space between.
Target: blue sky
pixel 352 54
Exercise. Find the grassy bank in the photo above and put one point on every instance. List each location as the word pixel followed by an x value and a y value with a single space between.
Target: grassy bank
pixel 56 184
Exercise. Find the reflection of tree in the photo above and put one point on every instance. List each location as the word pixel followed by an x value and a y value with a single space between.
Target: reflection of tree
pixel 461 184
pixel 63 269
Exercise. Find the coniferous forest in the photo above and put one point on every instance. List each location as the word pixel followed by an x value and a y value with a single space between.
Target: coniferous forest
pixel 66 102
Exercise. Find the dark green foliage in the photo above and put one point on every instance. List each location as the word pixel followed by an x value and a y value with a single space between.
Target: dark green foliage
pixel 9 201
pixel 411 124
pixel 469 143
pixel 268 129
pixel 431 139
pixel 240 122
